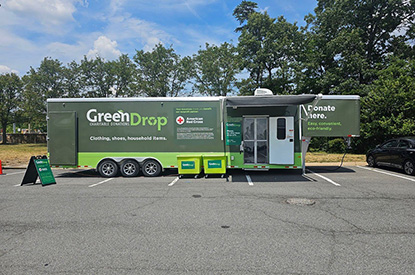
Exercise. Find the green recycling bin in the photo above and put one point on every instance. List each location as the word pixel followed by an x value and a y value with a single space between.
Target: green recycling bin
pixel 214 164
pixel 189 164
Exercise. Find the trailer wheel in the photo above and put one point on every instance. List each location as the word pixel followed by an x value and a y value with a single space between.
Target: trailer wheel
pixel 108 169
pixel 151 168
pixel 130 168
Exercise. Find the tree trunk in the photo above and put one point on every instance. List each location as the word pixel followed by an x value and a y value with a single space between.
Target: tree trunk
pixel 4 133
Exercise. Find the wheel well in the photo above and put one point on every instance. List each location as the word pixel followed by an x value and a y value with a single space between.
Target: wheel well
pixel 156 160
pixel 408 159
pixel 102 160
pixel 132 159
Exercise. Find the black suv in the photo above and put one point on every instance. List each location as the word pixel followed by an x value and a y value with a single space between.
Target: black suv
pixel 398 153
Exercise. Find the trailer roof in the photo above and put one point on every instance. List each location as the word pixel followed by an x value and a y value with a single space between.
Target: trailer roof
pixel 268 101
pixel 123 99
pixel 231 101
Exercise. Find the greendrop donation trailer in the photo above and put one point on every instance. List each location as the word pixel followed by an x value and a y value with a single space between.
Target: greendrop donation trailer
pixel 130 135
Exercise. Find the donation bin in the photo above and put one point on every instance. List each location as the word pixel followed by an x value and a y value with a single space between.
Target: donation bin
pixel 214 164
pixel 189 165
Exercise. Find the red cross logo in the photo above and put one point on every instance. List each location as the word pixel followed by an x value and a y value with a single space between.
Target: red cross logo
pixel 180 120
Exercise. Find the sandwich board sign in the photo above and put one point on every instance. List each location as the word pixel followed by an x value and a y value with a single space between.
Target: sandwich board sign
pixel 39 167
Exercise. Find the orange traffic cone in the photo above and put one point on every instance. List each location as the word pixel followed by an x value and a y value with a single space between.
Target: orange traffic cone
pixel 1 171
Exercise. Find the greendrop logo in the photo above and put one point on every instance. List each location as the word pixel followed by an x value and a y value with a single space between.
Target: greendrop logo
pixel 121 118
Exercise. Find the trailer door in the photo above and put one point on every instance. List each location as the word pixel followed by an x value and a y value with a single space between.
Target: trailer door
pixel 62 135
pixel 255 143
pixel 281 140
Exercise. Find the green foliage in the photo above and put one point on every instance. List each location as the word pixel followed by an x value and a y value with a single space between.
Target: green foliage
pixel 47 81
pixel 336 146
pixel 10 96
pixel 389 108
pixel 348 42
pixel 269 49
pixel 243 11
pixel 161 72
pixel 215 69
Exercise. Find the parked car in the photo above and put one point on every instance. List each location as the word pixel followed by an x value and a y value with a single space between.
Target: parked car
pixel 397 152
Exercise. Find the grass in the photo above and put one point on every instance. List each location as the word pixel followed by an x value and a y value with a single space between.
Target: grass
pixel 321 157
pixel 19 154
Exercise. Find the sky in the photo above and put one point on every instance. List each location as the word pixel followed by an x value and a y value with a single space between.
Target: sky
pixel 68 30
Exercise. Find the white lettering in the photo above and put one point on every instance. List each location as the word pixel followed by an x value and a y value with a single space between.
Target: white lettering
pixel 88 115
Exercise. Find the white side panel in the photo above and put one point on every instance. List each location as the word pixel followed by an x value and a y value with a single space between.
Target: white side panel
pixel 281 140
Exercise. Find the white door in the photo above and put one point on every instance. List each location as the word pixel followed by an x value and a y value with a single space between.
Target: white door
pixel 281 140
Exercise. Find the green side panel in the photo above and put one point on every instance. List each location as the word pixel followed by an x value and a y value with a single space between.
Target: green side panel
pixel 146 126
pixel 238 162
pixel 332 118
pixel 167 160
pixel 62 134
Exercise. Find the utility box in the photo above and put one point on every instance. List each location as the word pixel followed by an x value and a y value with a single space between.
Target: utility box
pixel 214 164
pixel 189 165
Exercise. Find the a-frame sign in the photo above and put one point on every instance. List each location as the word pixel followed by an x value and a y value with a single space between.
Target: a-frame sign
pixel 38 167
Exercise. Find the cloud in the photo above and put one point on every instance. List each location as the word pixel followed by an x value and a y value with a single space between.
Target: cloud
pixel 4 70
pixel 46 12
pixel 130 30
pixel 105 48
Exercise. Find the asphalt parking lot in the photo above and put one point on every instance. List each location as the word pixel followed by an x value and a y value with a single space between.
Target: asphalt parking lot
pixel 354 220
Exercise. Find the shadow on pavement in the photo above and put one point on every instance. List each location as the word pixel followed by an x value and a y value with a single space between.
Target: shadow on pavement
pixel 269 176
pixel 329 169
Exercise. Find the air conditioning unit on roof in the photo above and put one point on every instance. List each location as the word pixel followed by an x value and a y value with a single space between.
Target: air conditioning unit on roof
pixel 263 92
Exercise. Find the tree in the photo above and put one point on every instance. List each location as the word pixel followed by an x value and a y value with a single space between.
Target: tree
pixel 10 96
pixel 389 108
pixel 124 72
pixel 47 81
pixel 269 49
pixel 162 72
pixel 243 11
pixel 349 41
pixel 215 69
pixel 74 84
pixel 98 77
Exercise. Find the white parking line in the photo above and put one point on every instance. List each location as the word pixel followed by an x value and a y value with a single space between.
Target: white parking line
pixel 250 182
pixel 323 177
pixel 386 173
pixel 101 182
pixel 174 181
pixel 15 173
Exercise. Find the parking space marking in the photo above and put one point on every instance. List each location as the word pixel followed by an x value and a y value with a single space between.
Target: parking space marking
pixel 250 182
pixel 101 182
pixel 323 177
pixel 174 181
pixel 386 173
pixel 15 173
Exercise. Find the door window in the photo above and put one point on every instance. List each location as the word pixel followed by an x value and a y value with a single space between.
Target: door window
pixel 281 128
pixel 403 144
pixel 390 144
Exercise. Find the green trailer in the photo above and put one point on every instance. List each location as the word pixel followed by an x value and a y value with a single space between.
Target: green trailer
pixel 146 135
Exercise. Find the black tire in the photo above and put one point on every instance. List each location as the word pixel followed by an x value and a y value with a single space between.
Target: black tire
pixel 151 168
pixel 409 167
pixel 371 161
pixel 108 169
pixel 129 168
